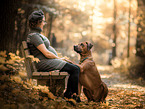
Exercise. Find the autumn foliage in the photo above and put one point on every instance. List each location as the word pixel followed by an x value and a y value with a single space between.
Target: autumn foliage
pixel 17 91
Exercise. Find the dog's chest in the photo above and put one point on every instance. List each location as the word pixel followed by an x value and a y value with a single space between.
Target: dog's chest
pixel 83 78
pixel 88 65
pixel 90 71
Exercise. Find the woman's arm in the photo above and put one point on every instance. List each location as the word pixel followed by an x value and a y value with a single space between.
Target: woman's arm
pixel 50 55
pixel 46 52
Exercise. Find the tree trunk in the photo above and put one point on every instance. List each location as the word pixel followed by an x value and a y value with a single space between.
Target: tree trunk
pixel 137 68
pixel 115 33
pixel 7 20
pixel 50 26
pixel 140 42
pixel 128 45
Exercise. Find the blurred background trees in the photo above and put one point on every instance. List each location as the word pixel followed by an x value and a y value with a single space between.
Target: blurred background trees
pixel 108 24
pixel 137 68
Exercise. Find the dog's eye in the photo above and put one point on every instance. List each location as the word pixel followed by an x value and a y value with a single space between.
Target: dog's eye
pixel 82 44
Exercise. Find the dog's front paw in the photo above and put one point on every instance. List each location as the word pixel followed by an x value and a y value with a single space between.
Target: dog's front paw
pixel 81 68
pixel 76 97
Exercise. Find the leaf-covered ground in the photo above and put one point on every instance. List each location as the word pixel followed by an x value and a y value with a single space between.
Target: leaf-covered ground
pixel 124 93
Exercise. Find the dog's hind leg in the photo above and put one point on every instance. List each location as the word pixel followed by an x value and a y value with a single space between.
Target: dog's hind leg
pixel 88 94
pixel 105 92
pixel 101 93
pixel 98 93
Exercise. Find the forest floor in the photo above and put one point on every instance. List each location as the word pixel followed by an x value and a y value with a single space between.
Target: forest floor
pixel 124 93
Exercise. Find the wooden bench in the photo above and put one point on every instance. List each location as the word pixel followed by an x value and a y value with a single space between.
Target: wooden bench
pixel 55 80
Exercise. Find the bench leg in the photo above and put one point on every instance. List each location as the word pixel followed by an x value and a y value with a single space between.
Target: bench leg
pixel 56 86
pixel 41 82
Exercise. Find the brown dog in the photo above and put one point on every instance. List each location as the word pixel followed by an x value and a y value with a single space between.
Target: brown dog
pixel 89 78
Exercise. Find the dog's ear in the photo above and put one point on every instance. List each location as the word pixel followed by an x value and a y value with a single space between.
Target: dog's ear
pixel 89 45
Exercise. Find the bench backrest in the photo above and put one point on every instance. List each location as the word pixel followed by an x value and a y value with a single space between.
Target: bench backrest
pixel 29 63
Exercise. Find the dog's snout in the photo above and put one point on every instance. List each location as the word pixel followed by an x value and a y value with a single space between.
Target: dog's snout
pixel 75 45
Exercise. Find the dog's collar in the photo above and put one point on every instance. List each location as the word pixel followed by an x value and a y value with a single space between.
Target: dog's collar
pixel 84 59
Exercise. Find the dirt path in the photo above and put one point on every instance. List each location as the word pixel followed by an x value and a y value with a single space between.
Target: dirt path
pixel 123 92
pixel 118 80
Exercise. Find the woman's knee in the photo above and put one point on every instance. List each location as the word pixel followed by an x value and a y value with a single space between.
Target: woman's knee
pixel 76 71
pixel 77 68
pixel 71 68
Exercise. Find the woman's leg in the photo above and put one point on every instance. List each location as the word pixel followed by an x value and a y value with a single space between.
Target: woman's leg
pixel 72 85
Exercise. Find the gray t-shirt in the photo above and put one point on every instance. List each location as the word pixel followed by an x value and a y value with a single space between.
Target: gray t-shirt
pixel 34 39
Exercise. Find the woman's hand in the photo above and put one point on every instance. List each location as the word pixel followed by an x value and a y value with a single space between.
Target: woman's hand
pixel 69 61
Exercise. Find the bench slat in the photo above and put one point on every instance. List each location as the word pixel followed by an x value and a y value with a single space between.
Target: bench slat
pixel 24 45
pixel 49 73
pixel 41 73
pixel 25 49
pixel 48 77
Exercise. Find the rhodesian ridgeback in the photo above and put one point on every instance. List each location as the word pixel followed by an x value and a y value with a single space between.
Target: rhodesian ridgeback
pixel 93 87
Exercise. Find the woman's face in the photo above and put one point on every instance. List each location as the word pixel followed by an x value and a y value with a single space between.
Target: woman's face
pixel 41 25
